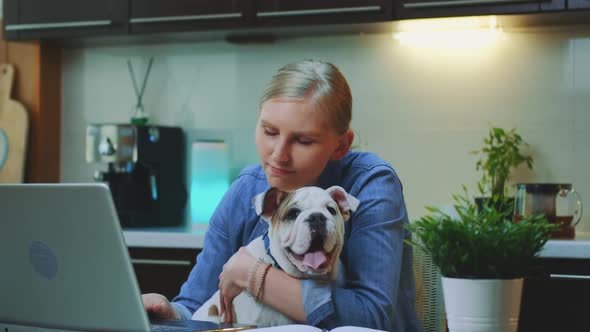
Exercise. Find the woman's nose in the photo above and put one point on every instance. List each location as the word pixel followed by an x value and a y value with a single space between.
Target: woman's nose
pixel 280 151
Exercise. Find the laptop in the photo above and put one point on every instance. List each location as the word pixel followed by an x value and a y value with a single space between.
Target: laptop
pixel 65 265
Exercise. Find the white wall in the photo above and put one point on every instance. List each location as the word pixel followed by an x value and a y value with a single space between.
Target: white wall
pixel 423 110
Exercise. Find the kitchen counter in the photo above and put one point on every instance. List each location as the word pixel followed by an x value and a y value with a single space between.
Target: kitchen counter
pixel 185 237
pixel 577 248
pixel 191 238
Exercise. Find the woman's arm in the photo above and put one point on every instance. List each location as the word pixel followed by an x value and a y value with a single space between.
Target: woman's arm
pixel 218 248
pixel 283 293
pixel 280 290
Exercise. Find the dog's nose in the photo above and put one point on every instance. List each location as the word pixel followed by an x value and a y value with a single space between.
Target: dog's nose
pixel 317 222
pixel 317 228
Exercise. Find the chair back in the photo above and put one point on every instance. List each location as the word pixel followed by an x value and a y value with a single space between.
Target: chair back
pixel 429 296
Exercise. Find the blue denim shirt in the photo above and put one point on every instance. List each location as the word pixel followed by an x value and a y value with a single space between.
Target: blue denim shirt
pixel 376 281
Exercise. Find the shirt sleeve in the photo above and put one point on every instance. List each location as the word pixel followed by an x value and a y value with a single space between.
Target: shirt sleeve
pixel 203 280
pixel 185 314
pixel 371 256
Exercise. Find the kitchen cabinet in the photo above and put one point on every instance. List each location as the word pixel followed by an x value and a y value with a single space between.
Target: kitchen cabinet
pixel 311 12
pixel 44 19
pixel 40 19
pixel 578 4
pixel 553 5
pixel 162 270
pixel 444 8
pixel 187 15
pixel 557 297
pixel 72 19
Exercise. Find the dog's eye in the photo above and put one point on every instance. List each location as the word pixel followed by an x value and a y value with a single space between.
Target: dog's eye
pixel 332 210
pixel 292 214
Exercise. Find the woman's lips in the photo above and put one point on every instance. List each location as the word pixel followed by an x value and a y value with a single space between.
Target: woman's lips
pixel 279 171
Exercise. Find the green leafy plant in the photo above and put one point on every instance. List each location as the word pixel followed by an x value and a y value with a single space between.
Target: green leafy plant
pixel 499 155
pixel 480 243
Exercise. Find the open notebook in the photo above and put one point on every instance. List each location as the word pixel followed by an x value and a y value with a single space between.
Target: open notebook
pixel 307 328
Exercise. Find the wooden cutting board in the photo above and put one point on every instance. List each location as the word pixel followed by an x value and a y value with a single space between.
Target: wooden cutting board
pixel 14 125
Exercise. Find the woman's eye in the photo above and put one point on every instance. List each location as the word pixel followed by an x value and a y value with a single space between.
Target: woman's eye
pixel 293 213
pixel 332 210
pixel 268 132
pixel 304 142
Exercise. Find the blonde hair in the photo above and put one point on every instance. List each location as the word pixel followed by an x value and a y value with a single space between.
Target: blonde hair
pixel 319 82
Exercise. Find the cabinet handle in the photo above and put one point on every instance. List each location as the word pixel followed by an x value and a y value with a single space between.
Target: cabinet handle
pixel 320 11
pixel 161 262
pixel 569 276
pixel 162 19
pixel 57 25
pixel 451 3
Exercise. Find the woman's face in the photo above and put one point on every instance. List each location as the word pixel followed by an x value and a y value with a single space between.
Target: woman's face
pixel 295 143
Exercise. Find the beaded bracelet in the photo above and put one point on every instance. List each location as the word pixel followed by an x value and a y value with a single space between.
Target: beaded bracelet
pixel 252 276
pixel 262 279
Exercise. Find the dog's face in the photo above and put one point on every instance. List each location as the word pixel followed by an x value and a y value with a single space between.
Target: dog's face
pixel 306 228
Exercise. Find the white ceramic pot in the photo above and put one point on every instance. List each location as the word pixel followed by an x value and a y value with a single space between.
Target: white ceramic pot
pixel 482 305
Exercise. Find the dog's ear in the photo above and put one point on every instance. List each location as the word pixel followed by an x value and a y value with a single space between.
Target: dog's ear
pixel 346 203
pixel 267 203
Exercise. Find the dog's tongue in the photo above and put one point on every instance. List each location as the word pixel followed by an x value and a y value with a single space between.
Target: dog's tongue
pixel 314 259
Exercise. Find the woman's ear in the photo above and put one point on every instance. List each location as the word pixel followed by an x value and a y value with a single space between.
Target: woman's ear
pixel 344 144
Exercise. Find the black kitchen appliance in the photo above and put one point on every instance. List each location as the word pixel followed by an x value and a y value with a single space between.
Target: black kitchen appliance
pixel 145 171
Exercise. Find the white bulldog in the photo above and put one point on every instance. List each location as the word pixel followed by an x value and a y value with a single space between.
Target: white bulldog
pixel 305 237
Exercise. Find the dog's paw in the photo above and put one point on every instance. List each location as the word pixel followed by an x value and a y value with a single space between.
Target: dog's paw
pixel 213 314
pixel 213 311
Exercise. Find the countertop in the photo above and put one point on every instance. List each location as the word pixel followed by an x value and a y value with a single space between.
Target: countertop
pixel 576 248
pixel 188 237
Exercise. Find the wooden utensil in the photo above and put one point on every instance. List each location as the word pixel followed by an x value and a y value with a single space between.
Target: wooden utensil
pixel 14 125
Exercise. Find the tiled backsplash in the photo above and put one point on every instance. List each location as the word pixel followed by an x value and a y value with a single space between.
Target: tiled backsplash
pixel 421 109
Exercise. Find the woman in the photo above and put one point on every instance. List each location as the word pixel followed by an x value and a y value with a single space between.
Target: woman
pixel 303 138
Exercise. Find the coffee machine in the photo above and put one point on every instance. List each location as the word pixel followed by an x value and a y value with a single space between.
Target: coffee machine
pixel 145 171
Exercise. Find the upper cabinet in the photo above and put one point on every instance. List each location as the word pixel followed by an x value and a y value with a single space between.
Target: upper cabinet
pixel 442 8
pixel 578 4
pixel 187 15
pixel 41 19
pixel 311 12
pixel 63 19
pixel 38 19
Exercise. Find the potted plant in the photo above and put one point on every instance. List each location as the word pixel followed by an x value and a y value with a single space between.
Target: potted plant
pixel 500 154
pixel 482 256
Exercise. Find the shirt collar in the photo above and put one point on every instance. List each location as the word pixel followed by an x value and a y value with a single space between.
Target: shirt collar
pixel 266 240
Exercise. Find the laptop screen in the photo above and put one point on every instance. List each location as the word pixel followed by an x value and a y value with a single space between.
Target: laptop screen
pixel 64 260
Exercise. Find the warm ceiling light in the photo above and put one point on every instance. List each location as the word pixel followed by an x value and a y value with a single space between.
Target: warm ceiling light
pixel 456 33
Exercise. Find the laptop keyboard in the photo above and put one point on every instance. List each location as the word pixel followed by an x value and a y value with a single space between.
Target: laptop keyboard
pixel 193 325
pixel 166 328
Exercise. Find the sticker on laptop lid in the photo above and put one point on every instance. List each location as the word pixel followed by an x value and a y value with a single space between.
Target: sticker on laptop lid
pixel 43 259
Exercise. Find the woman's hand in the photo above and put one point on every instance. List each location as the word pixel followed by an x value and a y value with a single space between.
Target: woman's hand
pixel 158 306
pixel 233 280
